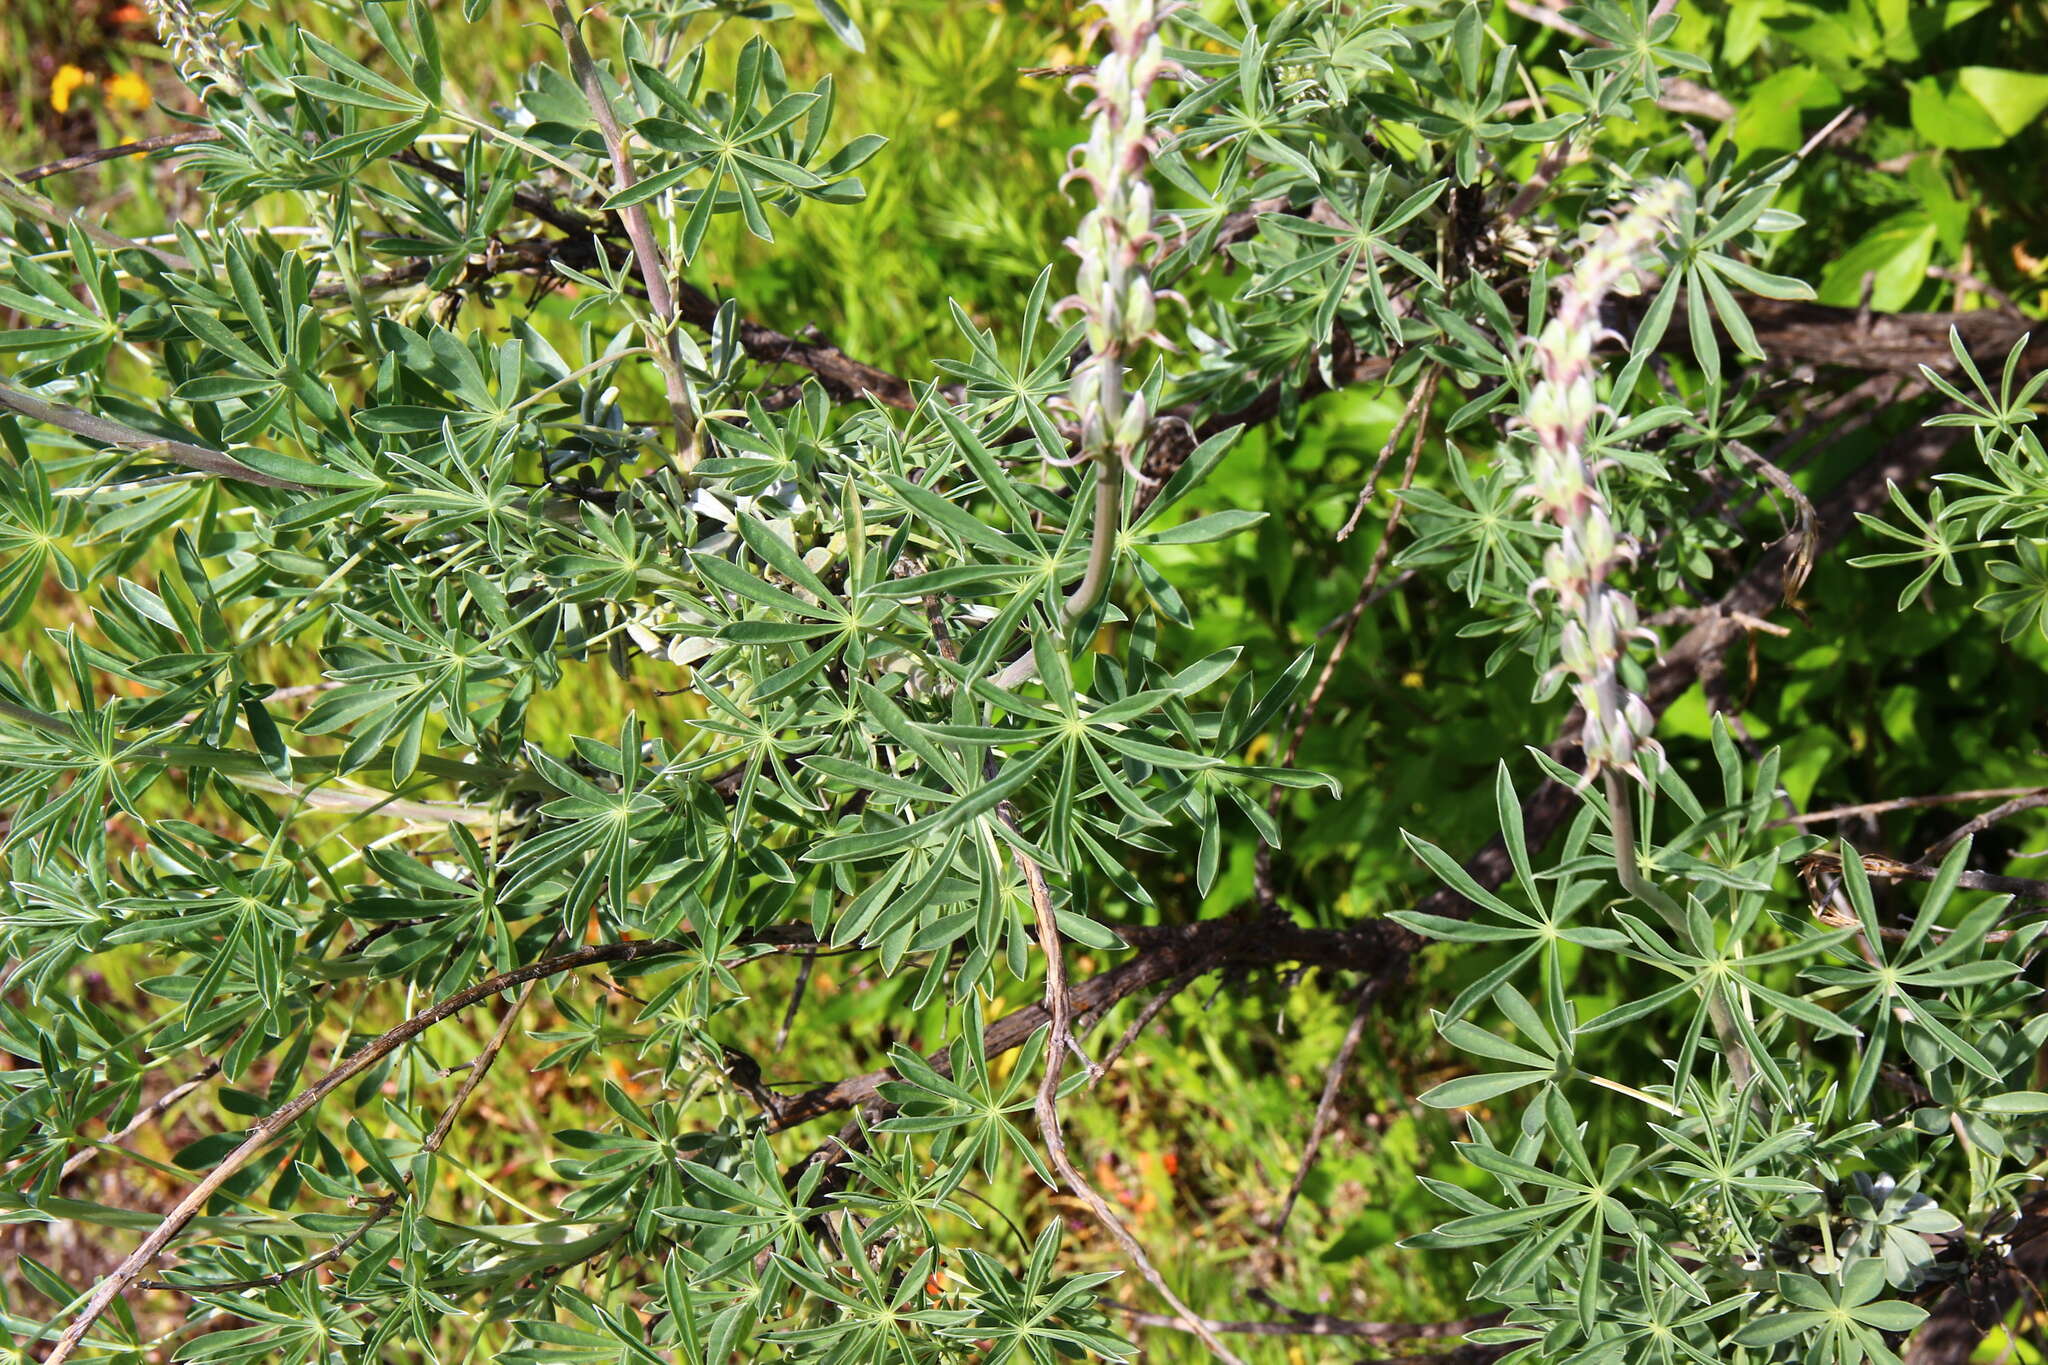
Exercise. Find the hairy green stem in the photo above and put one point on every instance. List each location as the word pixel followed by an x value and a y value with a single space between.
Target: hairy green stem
pixel 640 232
pixel 1109 494
pixel 344 237
pixel 1628 868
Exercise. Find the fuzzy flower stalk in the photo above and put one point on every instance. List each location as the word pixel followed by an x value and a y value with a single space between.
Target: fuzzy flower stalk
pixel 1599 618
pixel 193 38
pixel 1113 289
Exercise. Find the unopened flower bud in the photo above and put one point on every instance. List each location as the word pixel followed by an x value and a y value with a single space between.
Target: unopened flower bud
pixel 1084 389
pixel 1141 310
pixel 1135 423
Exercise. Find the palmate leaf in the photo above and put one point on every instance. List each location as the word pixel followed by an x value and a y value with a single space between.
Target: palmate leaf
pixel 1538 933
pixel 69 772
pixel 1845 1315
pixel 748 154
pixel 1703 966
pixel 1722 1168
pixel 1003 395
pixel 598 834
pixel 978 803
pixel 1037 1314
pixel 969 1110
pixel 1484 535
pixel 33 528
pixel 1901 990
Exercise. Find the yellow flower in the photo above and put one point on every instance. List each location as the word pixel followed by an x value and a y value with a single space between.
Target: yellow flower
pixel 128 88
pixel 65 84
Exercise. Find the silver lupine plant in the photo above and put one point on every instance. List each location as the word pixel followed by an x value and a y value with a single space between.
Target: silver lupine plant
pixel 1115 243
pixel 264 884
pixel 1599 618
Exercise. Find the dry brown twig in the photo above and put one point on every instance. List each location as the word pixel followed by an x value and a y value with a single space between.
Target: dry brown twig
pixel 1824 860
pixel 1382 553
pixel 1425 390
pixel 1060 1007
pixel 1300 1324
pixel 1340 1065
pixel 148 1114
pixel 271 1126
pixel 385 1203
pixel 1159 1001
pixel 1059 1011
pixel 1804 536
pixel 1905 803
pixel 2023 801
pixel 101 155
pixel 1326 1103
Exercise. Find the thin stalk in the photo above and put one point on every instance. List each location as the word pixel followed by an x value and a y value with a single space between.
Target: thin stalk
pixel 1113 288
pixel 479 1067
pixel 36 206
pixel 1109 503
pixel 496 134
pixel 1620 1089
pixel 1059 1007
pixel 578 373
pixel 640 232
pixel 1622 822
pixel 111 433
pixel 244 770
pixel 1059 1012
pixel 144 1116
pixel 1109 469
pixel 343 240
